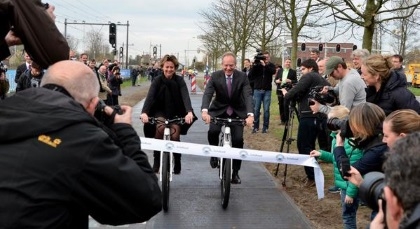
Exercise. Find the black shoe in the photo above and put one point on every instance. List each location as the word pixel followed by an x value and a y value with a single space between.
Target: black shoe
pixel 255 130
pixel 264 131
pixel 235 178
pixel 177 166
pixel 214 162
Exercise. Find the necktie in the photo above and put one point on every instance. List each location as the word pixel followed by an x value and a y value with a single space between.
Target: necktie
pixel 229 110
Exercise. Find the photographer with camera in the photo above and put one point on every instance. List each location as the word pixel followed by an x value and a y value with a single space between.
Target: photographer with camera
pixel 396 192
pixel 63 165
pixel 350 89
pixel 285 78
pixel 309 123
pixel 261 74
pixel 349 197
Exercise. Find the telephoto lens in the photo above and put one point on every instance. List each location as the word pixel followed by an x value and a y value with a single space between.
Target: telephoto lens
pixel 371 189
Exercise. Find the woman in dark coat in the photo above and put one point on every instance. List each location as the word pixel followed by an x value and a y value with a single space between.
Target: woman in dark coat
pixel 167 98
pixel 386 87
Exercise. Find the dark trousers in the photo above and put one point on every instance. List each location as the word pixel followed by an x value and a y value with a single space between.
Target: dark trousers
pixel 324 139
pixel 283 109
pixel 133 80
pixel 237 133
pixel 112 100
pixel 306 137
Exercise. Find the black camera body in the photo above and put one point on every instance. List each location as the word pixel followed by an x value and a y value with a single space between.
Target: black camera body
pixel 315 94
pixel 343 125
pixel 257 58
pixel 344 167
pixel 102 117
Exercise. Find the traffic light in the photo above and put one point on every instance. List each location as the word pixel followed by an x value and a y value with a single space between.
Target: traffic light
pixel 194 60
pixel 121 52
pixel 154 51
pixel 299 62
pixel 338 48
pixel 354 47
pixel 303 47
pixel 320 47
pixel 114 51
pixel 113 34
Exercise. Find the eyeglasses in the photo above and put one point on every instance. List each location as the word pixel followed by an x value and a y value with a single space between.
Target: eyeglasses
pixel 46 6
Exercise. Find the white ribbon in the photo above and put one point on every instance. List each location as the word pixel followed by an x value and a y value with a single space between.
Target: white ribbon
pixel 236 153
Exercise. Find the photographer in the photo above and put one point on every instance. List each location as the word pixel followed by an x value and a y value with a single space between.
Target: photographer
pixel 261 74
pixel 402 183
pixel 31 23
pixel 350 89
pixel 285 78
pixel 63 165
pixel 309 123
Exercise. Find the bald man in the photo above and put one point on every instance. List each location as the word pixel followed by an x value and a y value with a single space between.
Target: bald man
pixel 62 166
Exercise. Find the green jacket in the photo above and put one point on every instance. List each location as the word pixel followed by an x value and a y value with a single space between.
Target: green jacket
pixel 353 154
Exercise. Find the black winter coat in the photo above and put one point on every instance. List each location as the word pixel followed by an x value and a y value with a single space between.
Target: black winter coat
pixel 61 166
pixel 393 95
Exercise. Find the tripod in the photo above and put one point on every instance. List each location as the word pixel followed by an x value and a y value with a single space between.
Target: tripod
pixel 287 136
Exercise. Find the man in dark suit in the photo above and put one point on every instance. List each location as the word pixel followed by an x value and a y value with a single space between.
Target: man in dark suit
pixel 285 78
pixel 23 67
pixel 236 102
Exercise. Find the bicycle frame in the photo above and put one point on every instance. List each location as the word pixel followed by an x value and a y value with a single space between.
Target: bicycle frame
pixel 227 143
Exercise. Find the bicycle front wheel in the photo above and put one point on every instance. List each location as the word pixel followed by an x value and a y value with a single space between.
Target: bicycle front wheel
pixel 165 180
pixel 225 182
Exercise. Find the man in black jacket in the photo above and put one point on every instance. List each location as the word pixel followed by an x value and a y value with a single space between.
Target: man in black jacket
pixel 310 124
pixel 261 74
pixel 63 165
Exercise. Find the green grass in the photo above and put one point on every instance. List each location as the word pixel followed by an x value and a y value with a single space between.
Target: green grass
pixel 416 91
pixel 127 82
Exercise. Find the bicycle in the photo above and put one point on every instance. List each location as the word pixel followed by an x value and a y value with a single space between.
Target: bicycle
pixel 225 168
pixel 166 158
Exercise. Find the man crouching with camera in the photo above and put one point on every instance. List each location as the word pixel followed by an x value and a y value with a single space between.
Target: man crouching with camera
pixel 58 165
pixel 309 123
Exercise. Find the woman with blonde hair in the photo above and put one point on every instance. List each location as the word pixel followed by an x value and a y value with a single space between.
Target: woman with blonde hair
pixel 398 124
pixel 386 87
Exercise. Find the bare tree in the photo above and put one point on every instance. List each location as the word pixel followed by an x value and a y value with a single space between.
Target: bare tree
pixel 95 42
pixel 300 14
pixel 368 15
pixel 72 42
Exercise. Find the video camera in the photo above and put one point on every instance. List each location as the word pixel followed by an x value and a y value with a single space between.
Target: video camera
pixel 343 125
pixel 103 117
pixel 315 94
pixel 258 57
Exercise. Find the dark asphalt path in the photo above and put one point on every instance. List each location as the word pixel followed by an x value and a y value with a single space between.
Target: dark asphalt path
pixel 195 193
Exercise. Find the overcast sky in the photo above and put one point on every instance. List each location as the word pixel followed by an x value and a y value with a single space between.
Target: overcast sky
pixel 174 24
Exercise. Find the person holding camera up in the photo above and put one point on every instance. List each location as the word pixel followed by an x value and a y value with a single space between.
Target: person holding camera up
pixel 63 165
pixel 349 197
pixel 365 126
pixel 285 78
pixel 309 123
pixel 261 74
pixel 350 89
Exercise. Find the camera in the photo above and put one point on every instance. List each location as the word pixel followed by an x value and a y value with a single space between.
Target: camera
pixel 102 117
pixel 344 167
pixel 260 56
pixel 3 68
pixel 371 189
pixel 315 94
pixel 343 125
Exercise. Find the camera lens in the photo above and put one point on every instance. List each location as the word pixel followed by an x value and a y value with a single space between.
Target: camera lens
pixel 334 124
pixel 371 189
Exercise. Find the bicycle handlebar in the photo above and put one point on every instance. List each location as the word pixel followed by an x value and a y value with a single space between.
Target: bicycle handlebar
pixel 176 120
pixel 228 121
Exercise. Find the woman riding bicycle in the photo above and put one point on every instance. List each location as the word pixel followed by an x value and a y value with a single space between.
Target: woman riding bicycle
pixel 167 98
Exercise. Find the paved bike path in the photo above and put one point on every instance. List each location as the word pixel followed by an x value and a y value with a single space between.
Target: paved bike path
pixel 195 199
